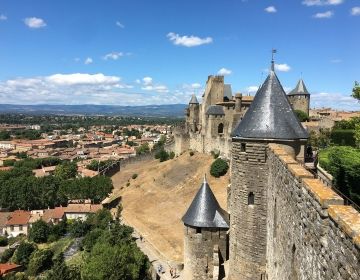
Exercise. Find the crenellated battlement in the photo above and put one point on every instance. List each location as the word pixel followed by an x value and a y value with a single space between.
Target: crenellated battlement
pixel 311 234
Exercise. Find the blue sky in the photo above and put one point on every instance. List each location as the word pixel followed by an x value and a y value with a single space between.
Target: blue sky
pixel 137 52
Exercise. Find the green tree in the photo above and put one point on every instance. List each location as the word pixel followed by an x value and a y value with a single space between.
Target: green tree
pixel 301 115
pixel 356 91
pixel 40 261
pixel 66 170
pixel 79 228
pixel 6 255
pixel 39 232
pixel 60 271
pixel 219 168
pixel 23 253
pixel 122 261
pixel 357 135
pixel 162 155
pixel 143 149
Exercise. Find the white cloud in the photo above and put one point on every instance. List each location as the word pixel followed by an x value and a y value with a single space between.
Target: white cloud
pixel 355 11
pixel 188 41
pixel 322 2
pixel 77 88
pixel 224 72
pixel 282 67
pixel 147 81
pixel 334 100
pixel 118 23
pixel 88 60
pixel 113 55
pixel 251 89
pixel 3 17
pixel 34 22
pixel 270 9
pixel 82 79
pixel 195 86
pixel 148 85
pixel 328 14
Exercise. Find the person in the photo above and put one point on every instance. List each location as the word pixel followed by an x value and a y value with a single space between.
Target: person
pixel 172 273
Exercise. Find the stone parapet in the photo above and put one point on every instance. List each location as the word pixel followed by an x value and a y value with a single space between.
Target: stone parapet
pixel 310 233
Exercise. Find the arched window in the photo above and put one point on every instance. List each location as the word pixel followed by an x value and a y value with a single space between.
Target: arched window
pixel 221 128
pixel 251 198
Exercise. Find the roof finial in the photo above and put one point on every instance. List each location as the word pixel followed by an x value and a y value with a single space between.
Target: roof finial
pixel 273 51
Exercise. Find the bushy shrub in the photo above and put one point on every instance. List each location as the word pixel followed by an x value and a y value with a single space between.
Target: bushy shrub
pixel 171 155
pixel 6 255
pixel 191 153
pixel 219 168
pixel 40 261
pixel 39 232
pixel 23 253
pixel 343 137
pixel 3 241
pixel 162 155
pixel 215 154
pixel 301 115
pixel 344 164
pixel 134 176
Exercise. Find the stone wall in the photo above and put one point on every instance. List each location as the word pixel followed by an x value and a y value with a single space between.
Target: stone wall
pixel 300 102
pixel 310 233
pixel 248 210
pixel 199 258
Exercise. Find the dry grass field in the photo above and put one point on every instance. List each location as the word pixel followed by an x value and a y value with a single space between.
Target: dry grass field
pixel 156 200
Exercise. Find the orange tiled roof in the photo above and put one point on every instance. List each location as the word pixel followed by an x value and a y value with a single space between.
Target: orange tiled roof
pixel 19 217
pixel 56 213
pixel 7 267
pixel 83 208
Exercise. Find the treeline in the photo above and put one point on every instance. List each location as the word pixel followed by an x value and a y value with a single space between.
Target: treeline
pixel 108 252
pixel 50 122
pixel 20 189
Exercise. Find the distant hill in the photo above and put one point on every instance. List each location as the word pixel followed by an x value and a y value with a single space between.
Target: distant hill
pixel 171 110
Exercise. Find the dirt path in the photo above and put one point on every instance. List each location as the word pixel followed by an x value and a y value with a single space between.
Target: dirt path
pixel 156 200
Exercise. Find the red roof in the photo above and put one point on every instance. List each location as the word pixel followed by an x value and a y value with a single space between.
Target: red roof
pixel 8 267
pixel 56 213
pixel 19 217
pixel 83 208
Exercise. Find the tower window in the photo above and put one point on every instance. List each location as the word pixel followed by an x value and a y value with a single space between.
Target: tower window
pixel 198 230
pixel 243 147
pixel 251 198
pixel 221 128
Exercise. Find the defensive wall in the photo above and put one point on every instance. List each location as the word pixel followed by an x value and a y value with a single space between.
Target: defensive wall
pixel 311 234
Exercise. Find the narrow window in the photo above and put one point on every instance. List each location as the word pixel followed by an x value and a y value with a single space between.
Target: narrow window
pixel 243 147
pixel 20 227
pixel 198 230
pixel 251 198
pixel 221 128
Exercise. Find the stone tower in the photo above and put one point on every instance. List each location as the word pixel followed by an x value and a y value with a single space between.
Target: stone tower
pixel 205 237
pixel 299 97
pixel 270 119
pixel 193 114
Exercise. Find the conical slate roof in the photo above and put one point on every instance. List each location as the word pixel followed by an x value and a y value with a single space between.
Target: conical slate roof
pixel 270 115
pixel 193 100
pixel 300 89
pixel 205 211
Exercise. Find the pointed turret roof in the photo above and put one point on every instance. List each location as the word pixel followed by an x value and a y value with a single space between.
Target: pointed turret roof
pixel 205 210
pixel 300 89
pixel 193 100
pixel 270 115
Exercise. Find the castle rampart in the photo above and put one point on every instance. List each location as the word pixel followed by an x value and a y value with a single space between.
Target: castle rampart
pixel 310 233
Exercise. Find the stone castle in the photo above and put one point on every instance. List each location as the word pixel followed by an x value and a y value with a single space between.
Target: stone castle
pixel 209 125
pixel 281 223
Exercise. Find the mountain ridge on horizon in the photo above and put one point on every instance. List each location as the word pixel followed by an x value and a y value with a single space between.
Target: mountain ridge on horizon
pixel 168 110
